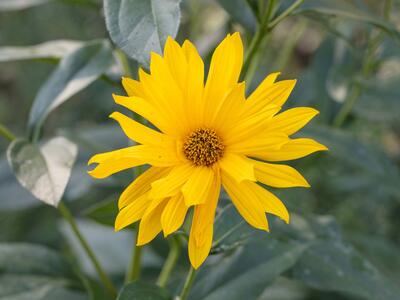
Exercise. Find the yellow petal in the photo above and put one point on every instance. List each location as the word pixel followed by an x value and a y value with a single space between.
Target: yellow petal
pixel 269 201
pixel 132 87
pixel 115 161
pixel 259 144
pixel 197 187
pixel 262 90
pixel 292 120
pixel 231 108
pixel 238 167
pixel 295 148
pixel 144 109
pixel 150 224
pixel 118 160
pixel 246 202
pixel 251 126
pixel 276 94
pixel 201 231
pixel 194 86
pixel 174 214
pixel 175 58
pixel 225 67
pixel 280 176
pixel 141 185
pixel 171 184
pixel 140 133
pixel 133 212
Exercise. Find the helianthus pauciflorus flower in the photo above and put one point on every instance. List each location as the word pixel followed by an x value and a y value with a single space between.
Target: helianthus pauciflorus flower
pixel 202 137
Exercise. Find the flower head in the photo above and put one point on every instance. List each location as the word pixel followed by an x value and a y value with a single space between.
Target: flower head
pixel 206 136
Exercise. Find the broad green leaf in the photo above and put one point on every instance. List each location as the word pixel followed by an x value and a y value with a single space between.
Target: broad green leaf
pixel 74 73
pixel 346 9
pixel 230 230
pixel 335 266
pixel 246 273
pixel 141 290
pixel 104 212
pixel 139 27
pixel 20 4
pixel 241 12
pixel 52 49
pixel 30 259
pixel 106 243
pixel 29 287
pixel 45 170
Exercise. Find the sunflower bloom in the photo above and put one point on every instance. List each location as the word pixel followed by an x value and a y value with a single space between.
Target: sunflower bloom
pixel 204 136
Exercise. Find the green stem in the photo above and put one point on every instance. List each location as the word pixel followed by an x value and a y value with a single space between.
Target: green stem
pixel 173 256
pixel 133 272
pixel 102 275
pixel 287 49
pixel 188 284
pixel 256 42
pixel 286 13
pixel 6 133
pixel 356 90
pixel 124 62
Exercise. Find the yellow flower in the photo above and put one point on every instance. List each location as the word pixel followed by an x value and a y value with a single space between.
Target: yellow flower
pixel 207 135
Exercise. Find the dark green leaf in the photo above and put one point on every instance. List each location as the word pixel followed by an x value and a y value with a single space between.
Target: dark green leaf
pixel 141 291
pixel 74 72
pixel 20 4
pixel 334 266
pixel 31 259
pixel 246 273
pixel 240 11
pixel 345 9
pixel 139 27
pixel 104 212
pixel 52 49
pixel 43 171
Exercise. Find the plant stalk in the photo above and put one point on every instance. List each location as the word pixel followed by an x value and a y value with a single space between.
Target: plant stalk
pixel 170 262
pixel 133 272
pixel 102 275
pixel 6 133
pixel 188 284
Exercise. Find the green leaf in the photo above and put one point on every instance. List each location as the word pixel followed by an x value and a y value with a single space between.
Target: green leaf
pixel 241 12
pixel 246 273
pixel 348 10
pixel 139 27
pixel 104 212
pixel 52 49
pixel 45 170
pixel 334 266
pixel 6 5
pixel 230 230
pixel 19 258
pixel 141 290
pixel 74 73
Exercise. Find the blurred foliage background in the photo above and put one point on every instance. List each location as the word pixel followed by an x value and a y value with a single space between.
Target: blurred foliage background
pixel 344 239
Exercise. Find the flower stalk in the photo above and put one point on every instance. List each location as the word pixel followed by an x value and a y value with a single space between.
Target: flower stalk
pixel 169 265
pixel 6 133
pixel 101 273
pixel 188 284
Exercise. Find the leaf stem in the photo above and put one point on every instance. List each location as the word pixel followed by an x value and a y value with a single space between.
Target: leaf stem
pixel 124 62
pixel 6 133
pixel 286 13
pixel 102 275
pixel 356 90
pixel 188 284
pixel 170 262
pixel 133 272
pixel 262 30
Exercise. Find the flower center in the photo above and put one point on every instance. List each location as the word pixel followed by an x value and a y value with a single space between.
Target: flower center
pixel 203 147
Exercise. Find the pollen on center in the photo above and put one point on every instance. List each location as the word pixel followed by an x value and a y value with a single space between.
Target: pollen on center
pixel 203 147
